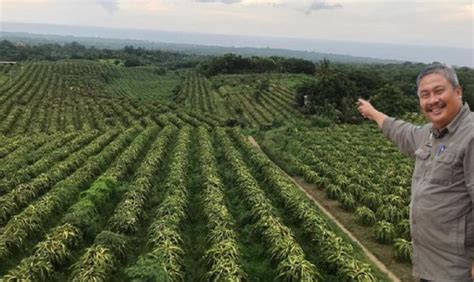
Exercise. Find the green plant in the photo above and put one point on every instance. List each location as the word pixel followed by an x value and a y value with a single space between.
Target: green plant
pixel 403 249
pixel 384 232
pixel 365 216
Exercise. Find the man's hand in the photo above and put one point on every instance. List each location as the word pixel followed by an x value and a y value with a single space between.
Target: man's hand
pixel 368 111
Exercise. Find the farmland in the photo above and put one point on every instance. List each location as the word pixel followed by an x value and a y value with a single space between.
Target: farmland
pixel 111 173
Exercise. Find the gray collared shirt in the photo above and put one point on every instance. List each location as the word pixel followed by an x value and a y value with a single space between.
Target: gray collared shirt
pixel 442 195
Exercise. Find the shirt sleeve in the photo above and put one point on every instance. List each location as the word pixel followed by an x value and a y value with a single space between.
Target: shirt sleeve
pixel 405 135
pixel 469 168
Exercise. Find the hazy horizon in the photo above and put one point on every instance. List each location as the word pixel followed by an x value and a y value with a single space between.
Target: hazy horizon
pixel 418 44
pixel 439 23
pixel 389 51
pixel 414 30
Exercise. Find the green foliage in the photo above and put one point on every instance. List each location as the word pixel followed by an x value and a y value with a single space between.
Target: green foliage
pixel 391 88
pixel 279 239
pixel 372 200
pixel 354 165
pixel 390 100
pixel 384 232
pixel 132 62
pixel 333 95
pixel 466 80
pixel 403 250
pixel 114 241
pixel 74 50
pixel 347 201
pixel 236 64
pixel 147 269
pixel 306 88
pixel 101 258
pixel 390 213
pixel 365 216
pixel 403 229
pixel 333 191
pixel 263 85
pixel 48 254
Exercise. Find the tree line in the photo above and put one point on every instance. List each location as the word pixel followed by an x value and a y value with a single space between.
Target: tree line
pixel 334 89
pixel 236 64
pixel 128 56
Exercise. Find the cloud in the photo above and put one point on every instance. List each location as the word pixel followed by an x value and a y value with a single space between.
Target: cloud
pixel 304 6
pixel 220 1
pixel 322 5
pixel 110 6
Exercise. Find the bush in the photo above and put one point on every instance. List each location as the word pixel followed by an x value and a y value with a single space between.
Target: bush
pixel 403 250
pixel 232 122
pixel 321 121
pixel 390 213
pixel 132 62
pixel 347 201
pixel 403 229
pixel 384 232
pixel 333 191
pixel 147 269
pixel 393 102
pixel 365 216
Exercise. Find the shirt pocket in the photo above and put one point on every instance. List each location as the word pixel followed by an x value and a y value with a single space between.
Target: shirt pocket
pixel 442 169
pixel 422 156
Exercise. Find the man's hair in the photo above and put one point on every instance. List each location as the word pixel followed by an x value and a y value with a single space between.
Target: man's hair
pixel 445 70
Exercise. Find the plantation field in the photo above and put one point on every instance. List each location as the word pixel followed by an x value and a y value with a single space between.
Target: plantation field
pixel 110 173
pixel 241 98
pixel 360 169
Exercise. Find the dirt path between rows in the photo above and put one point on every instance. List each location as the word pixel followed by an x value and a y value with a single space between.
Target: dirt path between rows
pixel 369 254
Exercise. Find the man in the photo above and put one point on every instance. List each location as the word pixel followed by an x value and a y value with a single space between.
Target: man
pixel 442 195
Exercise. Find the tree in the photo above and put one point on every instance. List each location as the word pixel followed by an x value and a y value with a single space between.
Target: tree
pixel 323 67
pixel 293 65
pixel 307 88
pixel 391 101
pixel 132 62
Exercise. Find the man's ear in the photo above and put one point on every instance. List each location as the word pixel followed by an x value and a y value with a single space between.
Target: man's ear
pixel 458 91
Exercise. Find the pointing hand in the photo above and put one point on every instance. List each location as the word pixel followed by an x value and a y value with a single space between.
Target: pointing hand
pixel 368 111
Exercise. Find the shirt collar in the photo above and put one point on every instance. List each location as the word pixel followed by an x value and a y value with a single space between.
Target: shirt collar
pixel 438 133
pixel 454 124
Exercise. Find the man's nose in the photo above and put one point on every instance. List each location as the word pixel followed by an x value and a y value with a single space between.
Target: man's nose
pixel 432 99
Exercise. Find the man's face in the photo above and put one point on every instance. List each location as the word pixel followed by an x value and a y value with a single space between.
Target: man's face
pixel 439 100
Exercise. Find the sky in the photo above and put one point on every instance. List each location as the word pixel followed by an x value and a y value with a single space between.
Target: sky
pixel 442 23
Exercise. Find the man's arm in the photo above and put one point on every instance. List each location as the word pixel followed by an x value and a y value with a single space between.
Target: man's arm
pixel 469 179
pixel 368 111
pixel 403 134
pixel 469 169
